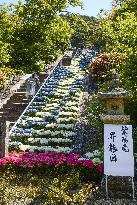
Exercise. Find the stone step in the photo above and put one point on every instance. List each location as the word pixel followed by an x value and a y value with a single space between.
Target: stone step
pixel 15 118
pixel 12 123
pixel 18 98
pixel 23 86
pixel 15 112
pixel 2 112
pixel 12 112
pixel 16 103
pixel 20 103
pixel 20 93
pixel 22 89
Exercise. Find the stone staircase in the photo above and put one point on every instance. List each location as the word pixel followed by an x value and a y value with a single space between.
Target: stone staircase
pixel 13 106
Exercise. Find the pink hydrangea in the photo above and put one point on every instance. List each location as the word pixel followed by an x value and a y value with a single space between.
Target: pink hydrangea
pixel 30 160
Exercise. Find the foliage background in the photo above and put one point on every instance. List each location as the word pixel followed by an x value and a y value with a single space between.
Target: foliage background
pixel 37 32
pixel 116 34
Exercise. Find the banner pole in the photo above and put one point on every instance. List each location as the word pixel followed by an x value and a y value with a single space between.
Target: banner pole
pixel 107 187
pixel 133 188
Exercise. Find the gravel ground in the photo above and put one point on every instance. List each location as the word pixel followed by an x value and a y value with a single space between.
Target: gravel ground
pixel 100 199
pixel 115 202
pixel 118 194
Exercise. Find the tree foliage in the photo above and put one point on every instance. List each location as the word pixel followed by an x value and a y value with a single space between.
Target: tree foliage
pixel 83 29
pixel 118 35
pixel 33 33
pixel 7 26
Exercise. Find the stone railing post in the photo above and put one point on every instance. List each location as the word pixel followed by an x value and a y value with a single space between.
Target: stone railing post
pixel 4 138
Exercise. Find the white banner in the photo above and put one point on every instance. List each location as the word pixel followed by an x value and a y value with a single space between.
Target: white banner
pixel 118 150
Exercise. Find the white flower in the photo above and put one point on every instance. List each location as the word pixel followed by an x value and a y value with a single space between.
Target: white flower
pixel 43 141
pixel 96 153
pixel 49 108
pixel 59 120
pixel 51 105
pixel 58 140
pixel 89 155
pixel 43 114
pixel 66 126
pixel 64 91
pixel 53 133
pixel 24 122
pixel 31 139
pixel 24 147
pixel 67 113
pixel 63 149
pixel 45 148
pixel 59 94
pixel 55 125
pixel 35 119
pixel 72 108
pixel 71 103
pixel 51 125
pixel 15 143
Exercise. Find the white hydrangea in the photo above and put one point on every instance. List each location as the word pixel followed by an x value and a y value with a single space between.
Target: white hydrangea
pixel 48 108
pixel 71 103
pixel 35 119
pixel 60 94
pixel 95 153
pixel 43 114
pixel 89 155
pixel 62 91
pixel 53 133
pixel 66 126
pixel 68 133
pixel 50 125
pixel 45 148
pixel 51 105
pixel 72 108
pixel 24 122
pixel 67 113
pixel 16 143
pixel 55 125
pixel 59 120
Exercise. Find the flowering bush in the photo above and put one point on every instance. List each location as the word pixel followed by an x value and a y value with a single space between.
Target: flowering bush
pixel 101 65
pixel 48 162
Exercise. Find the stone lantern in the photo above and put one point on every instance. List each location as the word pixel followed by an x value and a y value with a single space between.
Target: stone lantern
pixel 114 98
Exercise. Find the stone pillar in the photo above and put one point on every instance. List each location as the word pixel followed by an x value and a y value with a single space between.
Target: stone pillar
pixel 4 138
pixel 60 63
